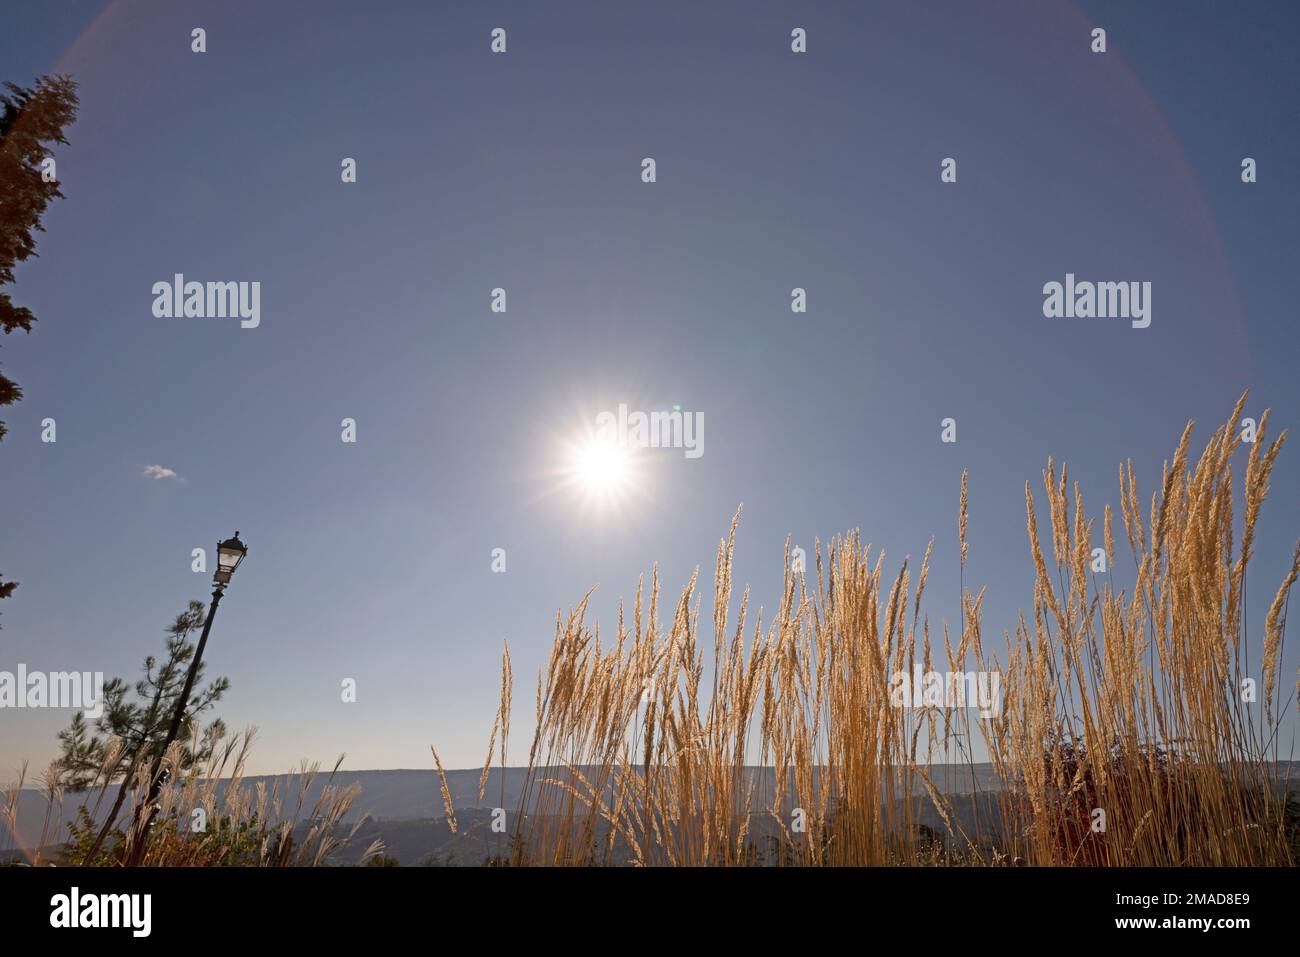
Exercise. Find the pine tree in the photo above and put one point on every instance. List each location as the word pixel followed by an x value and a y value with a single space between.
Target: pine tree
pixel 82 754
pixel 136 719
pixel 138 716
pixel 7 588
pixel 31 119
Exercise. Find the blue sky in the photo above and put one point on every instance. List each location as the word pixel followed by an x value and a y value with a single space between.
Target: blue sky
pixel 373 561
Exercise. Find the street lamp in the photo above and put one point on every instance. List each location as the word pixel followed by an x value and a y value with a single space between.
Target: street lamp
pixel 229 554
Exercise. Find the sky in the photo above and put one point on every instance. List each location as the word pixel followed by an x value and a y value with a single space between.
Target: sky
pixel 373 560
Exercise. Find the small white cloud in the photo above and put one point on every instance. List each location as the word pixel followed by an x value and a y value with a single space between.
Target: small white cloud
pixel 157 472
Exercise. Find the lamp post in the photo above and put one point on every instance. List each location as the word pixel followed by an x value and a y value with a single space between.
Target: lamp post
pixel 229 554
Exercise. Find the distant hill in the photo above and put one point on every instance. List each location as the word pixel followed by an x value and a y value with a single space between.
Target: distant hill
pixel 407 810
pixel 398 795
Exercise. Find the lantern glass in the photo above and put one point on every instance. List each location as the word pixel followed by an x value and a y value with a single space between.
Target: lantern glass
pixel 229 554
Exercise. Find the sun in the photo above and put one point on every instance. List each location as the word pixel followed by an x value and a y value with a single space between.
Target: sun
pixel 606 482
pixel 604 477
pixel 600 467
